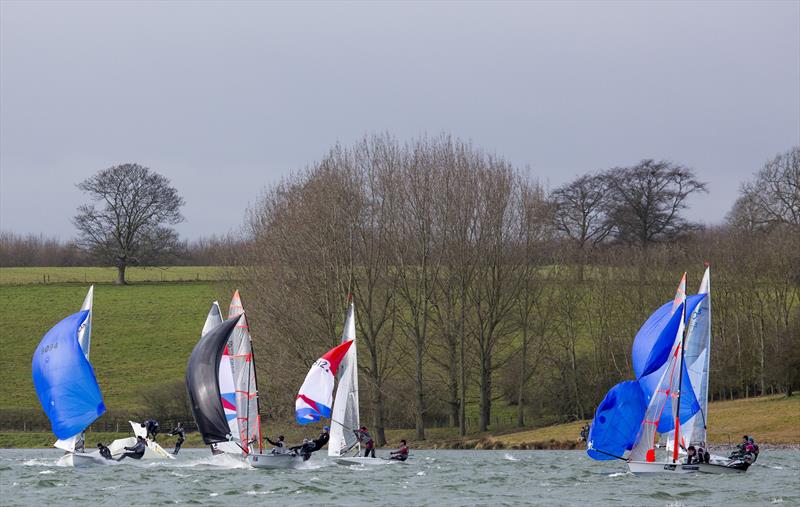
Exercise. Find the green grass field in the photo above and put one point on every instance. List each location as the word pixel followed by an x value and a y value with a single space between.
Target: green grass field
pixel 89 275
pixel 142 335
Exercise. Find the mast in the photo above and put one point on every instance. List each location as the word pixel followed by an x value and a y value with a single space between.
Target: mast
pixel 680 385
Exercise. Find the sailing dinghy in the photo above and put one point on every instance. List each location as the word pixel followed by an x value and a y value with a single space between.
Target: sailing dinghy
pixel 662 400
pixel 66 385
pixel 343 447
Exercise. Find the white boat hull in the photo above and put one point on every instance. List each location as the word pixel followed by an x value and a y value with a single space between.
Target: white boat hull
pixel 274 460
pixel 153 451
pixel 80 459
pixel 641 467
pixel 362 461
pixel 655 467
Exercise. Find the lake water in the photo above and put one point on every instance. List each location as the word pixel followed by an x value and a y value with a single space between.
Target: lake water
pixel 430 477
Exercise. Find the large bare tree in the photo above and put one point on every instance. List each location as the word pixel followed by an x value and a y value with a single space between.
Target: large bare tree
pixel 128 222
pixel 646 200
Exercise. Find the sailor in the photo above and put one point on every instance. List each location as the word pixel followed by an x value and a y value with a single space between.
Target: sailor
pixel 363 436
pixel 701 455
pixel 151 425
pixel 178 430
pixel 280 445
pixel 400 454
pixel 137 451
pixel 322 440
pixel 305 449
pixel 104 451
pixel 691 455
pixel 80 443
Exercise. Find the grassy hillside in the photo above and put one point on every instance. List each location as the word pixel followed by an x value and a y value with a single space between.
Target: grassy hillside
pixel 141 338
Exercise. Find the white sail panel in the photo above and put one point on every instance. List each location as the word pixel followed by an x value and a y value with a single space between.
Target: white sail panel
pixel 244 376
pixel 698 350
pixel 345 416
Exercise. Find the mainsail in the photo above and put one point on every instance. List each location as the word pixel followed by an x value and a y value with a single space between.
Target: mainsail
pixel 244 376
pixel 202 384
pixel 345 405
pixel 64 379
pixel 698 348
pixel 316 394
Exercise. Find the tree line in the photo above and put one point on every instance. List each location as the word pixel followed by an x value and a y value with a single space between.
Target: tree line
pixel 474 285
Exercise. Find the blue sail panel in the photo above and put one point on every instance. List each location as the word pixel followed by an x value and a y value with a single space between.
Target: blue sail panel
pixel 689 405
pixel 617 421
pixel 64 379
pixel 655 338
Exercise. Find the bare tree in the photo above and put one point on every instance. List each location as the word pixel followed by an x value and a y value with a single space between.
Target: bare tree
pixel 581 214
pixel 646 200
pixel 130 227
pixel 774 196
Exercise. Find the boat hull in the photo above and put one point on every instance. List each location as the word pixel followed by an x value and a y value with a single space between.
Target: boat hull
pixel 733 468
pixel 274 460
pixel 654 467
pixel 362 461
pixel 153 451
pixel 79 459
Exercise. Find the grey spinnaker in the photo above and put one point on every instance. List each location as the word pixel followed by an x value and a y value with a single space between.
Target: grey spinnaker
pixel 202 383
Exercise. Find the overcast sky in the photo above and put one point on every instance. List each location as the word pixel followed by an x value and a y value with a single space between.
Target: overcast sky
pixel 225 98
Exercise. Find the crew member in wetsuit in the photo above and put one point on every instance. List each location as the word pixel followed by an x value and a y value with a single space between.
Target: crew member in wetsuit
pixel 151 425
pixel 305 449
pixel 104 451
pixel 691 455
pixel 369 445
pixel 280 445
pixel 400 454
pixel 322 440
pixel 178 430
pixel 137 451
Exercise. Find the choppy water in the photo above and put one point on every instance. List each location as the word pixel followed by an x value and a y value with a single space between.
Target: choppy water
pixel 437 478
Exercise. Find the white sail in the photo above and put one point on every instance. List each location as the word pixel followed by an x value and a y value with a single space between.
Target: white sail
pixel 698 350
pixel 85 341
pixel 244 375
pixel 345 405
pixel 213 319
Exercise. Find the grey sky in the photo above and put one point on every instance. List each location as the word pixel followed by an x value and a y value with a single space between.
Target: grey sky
pixel 226 98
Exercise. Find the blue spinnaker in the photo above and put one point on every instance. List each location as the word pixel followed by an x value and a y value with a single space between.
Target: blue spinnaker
pixel 689 403
pixel 616 422
pixel 655 338
pixel 65 380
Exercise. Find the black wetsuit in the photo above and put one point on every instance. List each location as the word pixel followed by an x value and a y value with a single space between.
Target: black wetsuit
pixel 181 438
pixel 136 452
pixel 321 441
pixel 104 452
pixel 304 450
pixel 151 425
